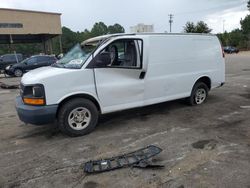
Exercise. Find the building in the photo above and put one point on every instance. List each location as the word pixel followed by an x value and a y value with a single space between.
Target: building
pixel 142 28
pixel 25 26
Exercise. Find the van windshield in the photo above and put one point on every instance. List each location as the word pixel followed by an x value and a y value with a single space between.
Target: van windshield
pixel 76 57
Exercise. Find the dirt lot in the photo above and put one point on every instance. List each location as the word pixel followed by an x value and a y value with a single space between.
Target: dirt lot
pixel 33 156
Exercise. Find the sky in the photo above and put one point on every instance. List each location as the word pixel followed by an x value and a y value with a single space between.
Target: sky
pixel 82 14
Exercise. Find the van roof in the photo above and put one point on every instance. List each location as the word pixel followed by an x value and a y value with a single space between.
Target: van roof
pixel 103 37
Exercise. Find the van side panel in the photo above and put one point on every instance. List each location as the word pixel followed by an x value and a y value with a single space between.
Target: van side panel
pixel 81 82
pixel 176 62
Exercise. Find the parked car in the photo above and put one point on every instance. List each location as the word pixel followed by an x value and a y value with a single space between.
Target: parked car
pixel 28 64
pixel 117 72
pixel 9 59
pixel 231 49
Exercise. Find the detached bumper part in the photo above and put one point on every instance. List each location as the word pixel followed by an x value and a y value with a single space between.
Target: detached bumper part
pixel 37 115
pixel 137 158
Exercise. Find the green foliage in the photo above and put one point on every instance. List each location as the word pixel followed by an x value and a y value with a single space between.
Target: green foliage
pixel 248 5
pixel 200 27
pixel 116 28
pixel 245 25
pixel 28 49
pixel 69 38
pixel 235 38
pixel 99 29
pixel 189 27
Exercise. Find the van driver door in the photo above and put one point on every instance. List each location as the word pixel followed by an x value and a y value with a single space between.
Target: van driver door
pixel 120 83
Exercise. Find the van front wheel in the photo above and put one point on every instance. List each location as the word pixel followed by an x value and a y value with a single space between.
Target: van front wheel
pixel 78 117
pixel 199 94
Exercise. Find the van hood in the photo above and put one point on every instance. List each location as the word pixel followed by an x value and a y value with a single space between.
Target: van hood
pixel 39 75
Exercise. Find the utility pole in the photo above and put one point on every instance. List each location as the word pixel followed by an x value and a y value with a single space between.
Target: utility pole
pixel 223 26
pixel 171 16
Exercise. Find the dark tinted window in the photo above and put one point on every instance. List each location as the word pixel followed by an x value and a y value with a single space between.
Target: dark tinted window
pixel 32 60
pixel 11 25
pixel 46 58
pixel 9 58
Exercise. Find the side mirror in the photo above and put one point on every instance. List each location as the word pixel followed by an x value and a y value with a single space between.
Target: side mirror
pixel 102 60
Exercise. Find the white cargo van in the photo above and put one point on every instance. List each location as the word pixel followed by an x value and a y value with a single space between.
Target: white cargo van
pixel 117 72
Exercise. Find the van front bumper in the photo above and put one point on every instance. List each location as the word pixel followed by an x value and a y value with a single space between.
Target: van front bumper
pixel 37 115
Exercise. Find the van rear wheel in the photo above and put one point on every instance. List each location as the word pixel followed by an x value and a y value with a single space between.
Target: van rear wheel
pixel 78 117
pixel 199 94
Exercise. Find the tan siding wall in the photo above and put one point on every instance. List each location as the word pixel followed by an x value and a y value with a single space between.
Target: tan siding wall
pixel 33 22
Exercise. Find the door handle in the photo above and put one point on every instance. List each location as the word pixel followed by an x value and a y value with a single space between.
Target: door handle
pixel 142 75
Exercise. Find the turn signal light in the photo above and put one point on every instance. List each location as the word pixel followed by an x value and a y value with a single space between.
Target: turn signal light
pixel 34 101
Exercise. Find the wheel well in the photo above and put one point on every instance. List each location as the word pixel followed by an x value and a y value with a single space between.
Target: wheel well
pixel 85 96
pixel 19 68
pixel 206 80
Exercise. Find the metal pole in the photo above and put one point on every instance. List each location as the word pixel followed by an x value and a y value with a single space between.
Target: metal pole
pixel 60 43
pixel 170 22
pixel 14 50
pixel 50 46
pixel 223 26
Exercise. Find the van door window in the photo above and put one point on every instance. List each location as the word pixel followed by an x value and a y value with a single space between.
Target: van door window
pixel 125 54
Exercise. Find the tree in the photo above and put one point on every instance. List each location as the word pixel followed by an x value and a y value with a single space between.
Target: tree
pixel 248 5
pixel 69 38
pixel 200 27
pixel 245 25
pixel 116 28
pixel 189 27
pixel 99 29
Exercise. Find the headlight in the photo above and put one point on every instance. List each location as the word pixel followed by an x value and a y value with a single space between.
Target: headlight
pixel 37 91
pixel 8 67
pixel 34 95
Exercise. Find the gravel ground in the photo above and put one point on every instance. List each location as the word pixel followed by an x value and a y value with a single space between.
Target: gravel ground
pixel 203 146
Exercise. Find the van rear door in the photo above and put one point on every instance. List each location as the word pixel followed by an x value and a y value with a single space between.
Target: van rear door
pixel 120 85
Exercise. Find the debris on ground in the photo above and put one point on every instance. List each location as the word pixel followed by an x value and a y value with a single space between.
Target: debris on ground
pixel 7 86
pixel 205 144
pixel 147 164
pixel 139 158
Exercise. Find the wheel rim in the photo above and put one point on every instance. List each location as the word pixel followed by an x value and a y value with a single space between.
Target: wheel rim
pixel 200 95
pixel 79 118
pixel 18 72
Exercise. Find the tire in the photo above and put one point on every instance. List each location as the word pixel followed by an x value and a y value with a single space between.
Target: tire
pixel 18 73
pixel 199 94
pixel 77 117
